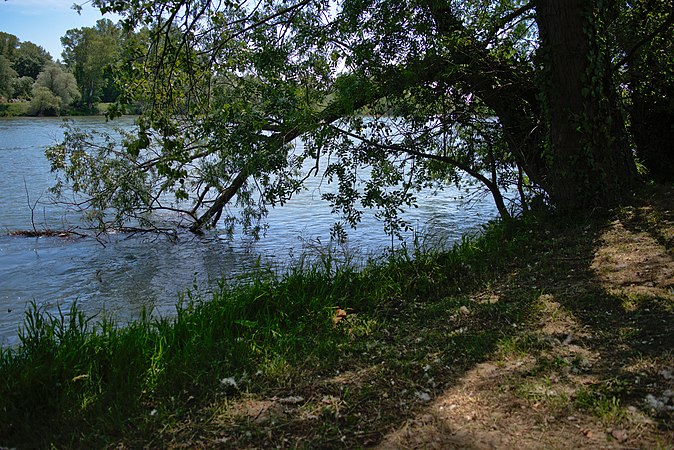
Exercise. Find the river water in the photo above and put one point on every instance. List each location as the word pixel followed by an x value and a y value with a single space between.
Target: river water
pixel 129 273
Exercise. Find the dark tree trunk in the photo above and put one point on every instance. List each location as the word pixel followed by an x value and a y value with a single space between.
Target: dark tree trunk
pixel 646 33
pixel 590 162
pixel 653 130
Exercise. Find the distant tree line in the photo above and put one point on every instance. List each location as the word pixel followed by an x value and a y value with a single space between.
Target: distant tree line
pixel 28 73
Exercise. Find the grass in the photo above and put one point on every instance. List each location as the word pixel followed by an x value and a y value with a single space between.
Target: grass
pixel 74 373
pixel 514 324
pixel 601 401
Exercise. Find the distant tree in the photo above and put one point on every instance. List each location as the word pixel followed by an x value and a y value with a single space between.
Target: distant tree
pixel 60 83
pixel 7 77
pixel 23 87
pixel 87 52
pixel 8 44
pixel 29 59
pixel 44 102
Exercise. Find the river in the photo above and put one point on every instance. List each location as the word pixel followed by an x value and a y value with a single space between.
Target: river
pixel 129 273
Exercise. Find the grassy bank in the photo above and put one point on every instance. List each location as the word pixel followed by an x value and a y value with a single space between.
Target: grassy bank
pixel 528 336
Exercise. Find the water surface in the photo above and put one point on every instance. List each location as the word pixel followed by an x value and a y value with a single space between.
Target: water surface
pixel 125 273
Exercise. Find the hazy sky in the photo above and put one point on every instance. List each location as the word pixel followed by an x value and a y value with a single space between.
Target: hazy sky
pixel 43 22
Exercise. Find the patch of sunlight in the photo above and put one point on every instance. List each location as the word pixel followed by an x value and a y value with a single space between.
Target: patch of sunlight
pixel 543 392
pixel 274 366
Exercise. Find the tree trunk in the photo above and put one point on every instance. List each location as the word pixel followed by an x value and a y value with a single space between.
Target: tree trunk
pixel 653 130
pixel 590 163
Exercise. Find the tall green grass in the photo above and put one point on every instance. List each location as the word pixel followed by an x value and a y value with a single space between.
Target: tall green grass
pixel 76 381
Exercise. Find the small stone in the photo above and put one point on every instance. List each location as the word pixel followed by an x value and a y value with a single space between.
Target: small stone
pixel 423 396
pixel 229 381
pixel 655 403
pixel 568 339
pixel 619 435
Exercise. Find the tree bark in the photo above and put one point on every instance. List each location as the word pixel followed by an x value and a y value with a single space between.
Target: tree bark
pixel 653 130
pixel 590 162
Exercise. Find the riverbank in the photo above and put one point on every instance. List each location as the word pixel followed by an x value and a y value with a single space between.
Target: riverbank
pixel 22 109
pixel 547 333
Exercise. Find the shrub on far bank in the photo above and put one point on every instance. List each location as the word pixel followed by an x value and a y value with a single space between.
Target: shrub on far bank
pixel 29 109
pixel 44 103
pixel 14 109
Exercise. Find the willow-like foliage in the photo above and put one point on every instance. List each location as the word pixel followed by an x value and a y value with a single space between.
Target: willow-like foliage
pixel 387 97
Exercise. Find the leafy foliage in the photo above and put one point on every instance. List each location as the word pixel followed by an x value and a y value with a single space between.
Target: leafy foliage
pixel 20 65
pixel 30 59
pixel 7 77
pixel 385 97
pixel 23 87
pixel 44 102
pixel 88 51
pixel 643 32
pixel 54 89
pixel 8 45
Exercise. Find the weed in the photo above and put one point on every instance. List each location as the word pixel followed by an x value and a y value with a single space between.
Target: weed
pixel 603 400
pixel 517 346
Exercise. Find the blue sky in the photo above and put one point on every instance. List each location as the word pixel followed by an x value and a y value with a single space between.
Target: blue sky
pixel 43 22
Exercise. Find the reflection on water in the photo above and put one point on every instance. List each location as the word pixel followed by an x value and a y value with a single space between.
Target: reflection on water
pixel 126 273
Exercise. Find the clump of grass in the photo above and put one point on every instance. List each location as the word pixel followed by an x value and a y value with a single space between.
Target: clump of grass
pixel 518 346
pixel 603 400
pixel 73 376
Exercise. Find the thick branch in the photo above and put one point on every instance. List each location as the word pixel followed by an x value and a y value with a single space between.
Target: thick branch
pixel 223 198
pixel 370 92
pixel 507 90
pixel 503 21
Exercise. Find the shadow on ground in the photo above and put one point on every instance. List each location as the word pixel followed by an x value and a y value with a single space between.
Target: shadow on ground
pixel 600 371
pixel 570 347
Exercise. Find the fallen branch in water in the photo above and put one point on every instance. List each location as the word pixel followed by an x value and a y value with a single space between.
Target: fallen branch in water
pixel 45 233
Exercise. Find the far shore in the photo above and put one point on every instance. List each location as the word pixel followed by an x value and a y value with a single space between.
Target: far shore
pixel 22 108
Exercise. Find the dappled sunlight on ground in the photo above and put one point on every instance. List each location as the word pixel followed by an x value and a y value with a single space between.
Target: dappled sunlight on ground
pixel 572 347
pixel 576 386
pixel 511 402
pixel 632 262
